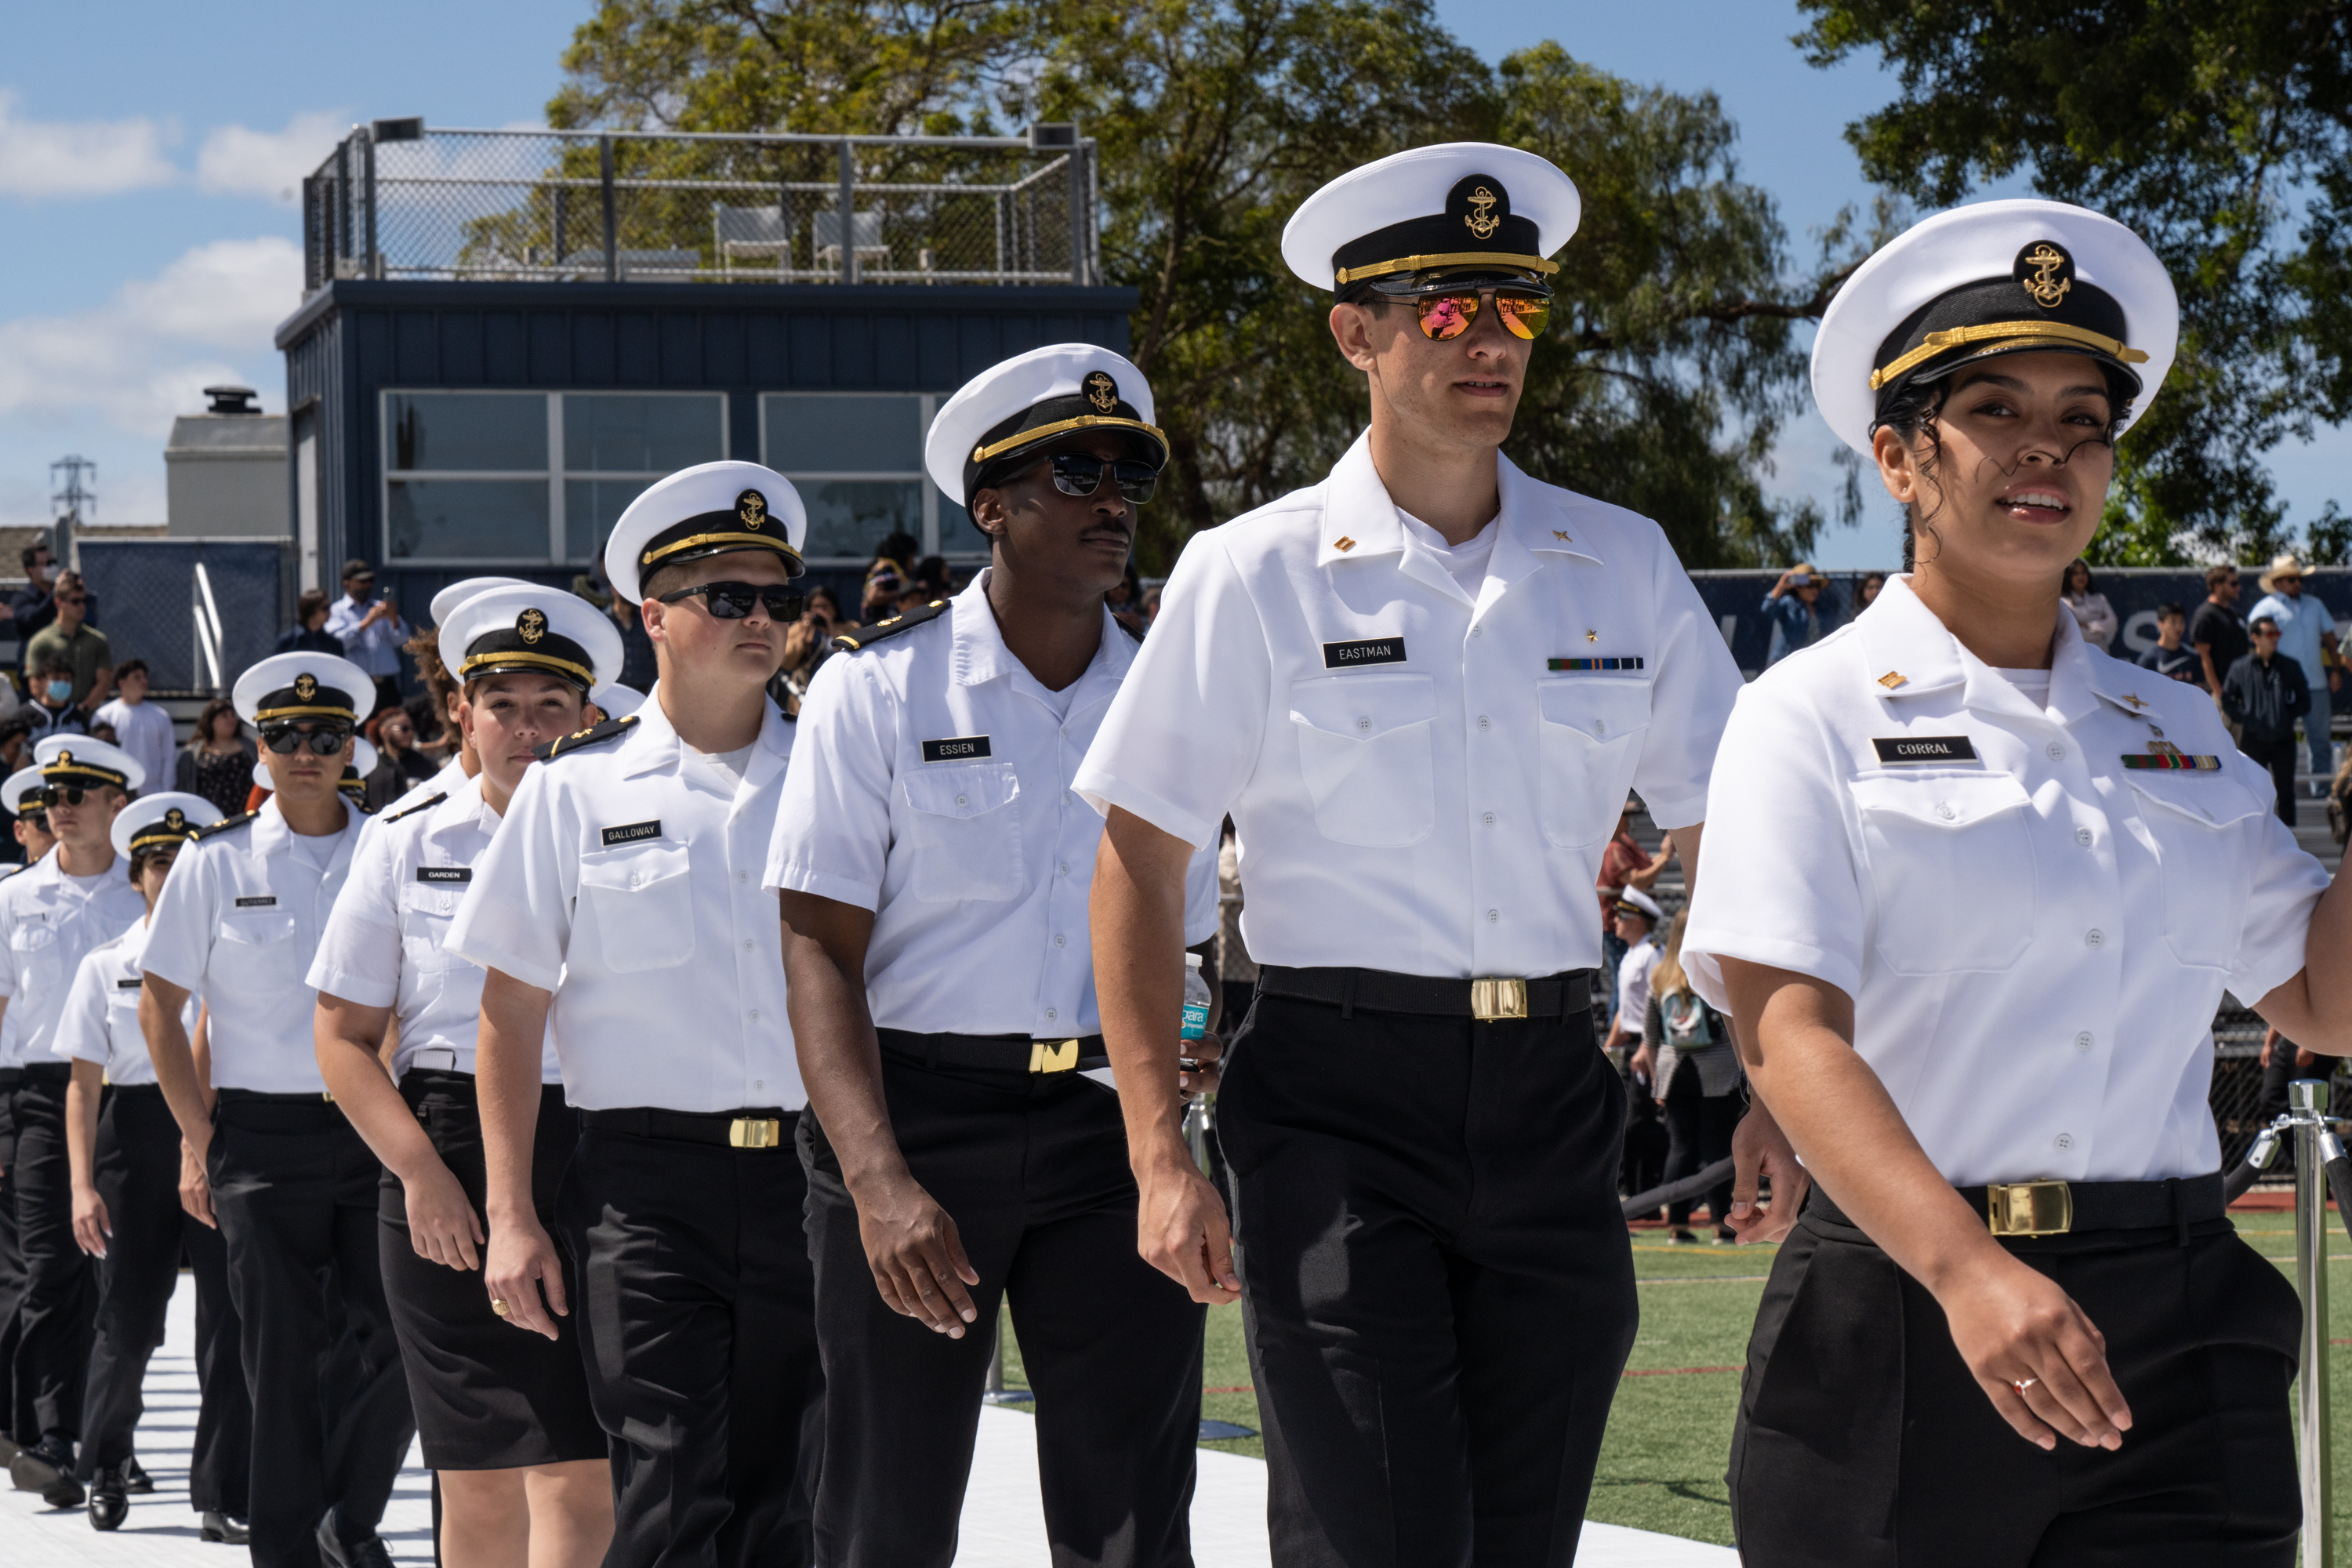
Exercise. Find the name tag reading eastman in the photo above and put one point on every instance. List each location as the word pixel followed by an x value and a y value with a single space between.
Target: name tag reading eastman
pixel 956 749
pixel 444 873
pixel 1915 749
pixel 266 901
pixel 632 833
pixel 1364 650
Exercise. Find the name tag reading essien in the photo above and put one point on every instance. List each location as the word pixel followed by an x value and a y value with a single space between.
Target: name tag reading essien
pixel 1364 650
pixel 1901 750
pixel 632 833
pixel 956 749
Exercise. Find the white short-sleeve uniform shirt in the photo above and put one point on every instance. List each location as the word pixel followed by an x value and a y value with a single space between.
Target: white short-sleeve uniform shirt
pixel 100 1022
pixel 1424 778
pixel 50 921
pixel 239 920
pixel 12 1034
pixel 626 879
pixel 931 782
pixel 384 942
pixel 2035 935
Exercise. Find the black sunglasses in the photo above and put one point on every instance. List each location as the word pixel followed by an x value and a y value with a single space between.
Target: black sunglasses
pixel 63 794
pixel 286 739
pixel 733 601
pixel 1081 474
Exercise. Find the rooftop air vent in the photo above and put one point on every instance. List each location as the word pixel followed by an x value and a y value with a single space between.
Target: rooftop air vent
pixel 232 400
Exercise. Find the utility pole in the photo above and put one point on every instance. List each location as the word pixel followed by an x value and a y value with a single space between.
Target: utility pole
pixel 76 501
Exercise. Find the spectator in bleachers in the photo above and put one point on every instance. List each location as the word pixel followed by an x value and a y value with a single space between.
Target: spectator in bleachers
pixel 83 647
pixel 2216 632
pixel 886 585
pixel 371 631
pixel 1686 1053
pixel 2092 611
pixel 310 634
pixel 2307 637
pixel 433 712
pixel 1866 593
pixel 1636 919
pixel 1125 601
pixel 400 766
pixel 1794 609
pixel 52 710
pixel 31 608
pixel 2263 694
pixel 141 728
pixel 16 751
pixel 931 577
pixel 2171 657
pixel 217 763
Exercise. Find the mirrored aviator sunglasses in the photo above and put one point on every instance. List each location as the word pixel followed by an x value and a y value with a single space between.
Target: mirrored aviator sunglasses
pixel 1080 474
pixel 733 601
pixel 286 739
pixel 1445 317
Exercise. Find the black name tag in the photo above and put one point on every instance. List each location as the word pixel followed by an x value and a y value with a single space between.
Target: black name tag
pixel 447 873
pixel 260 903
pixel 956 749
pixel 632 833
pixel 1902 748
pixel 1366 650
pixel 126 985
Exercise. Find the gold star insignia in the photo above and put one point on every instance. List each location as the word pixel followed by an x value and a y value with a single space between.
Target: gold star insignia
pixel 1562 534
pixel 1893 678
pixel 1591 635
pixel 1343 543
pixel 2135 699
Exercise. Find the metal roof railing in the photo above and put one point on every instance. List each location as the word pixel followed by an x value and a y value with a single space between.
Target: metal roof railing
pixel 395 200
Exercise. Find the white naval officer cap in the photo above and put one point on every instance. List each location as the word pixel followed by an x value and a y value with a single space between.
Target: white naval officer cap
pixel 22 793
pixel 1015 406
pixel 1428 217
pixel 1637 899
pixel 527 627
pixel 290 685
pixel 711 509
pixel 615 701
pixel 2023 275
pixel 80 760
pixel 464 588
pixel 173 816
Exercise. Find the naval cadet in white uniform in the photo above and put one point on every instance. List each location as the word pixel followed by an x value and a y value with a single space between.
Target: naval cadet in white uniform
pixel 22 791
pixel 57 910
pixel 932 862
pixel 503 1417
pixel 1421 689
pixel 126 1201
pixel 621 901
pixel 1974 890
pixel 293 1186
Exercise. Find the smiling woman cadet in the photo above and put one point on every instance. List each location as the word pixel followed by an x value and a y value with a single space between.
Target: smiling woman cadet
pixel 1972 902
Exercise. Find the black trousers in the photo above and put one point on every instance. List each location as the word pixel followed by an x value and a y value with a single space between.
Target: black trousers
pixel 691 1284
pixel 1863 1440
pixel 295 1189
pixel 2278 755
pixel 55 1316
pixel 221 1468
pixel 138 1178
pixel 1439 1288
pixel 12 1251
pixel 1033 1168
pixel 1698 1133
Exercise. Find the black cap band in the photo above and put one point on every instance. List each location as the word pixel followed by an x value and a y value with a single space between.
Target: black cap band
pixel 1097 404
pixel 749 526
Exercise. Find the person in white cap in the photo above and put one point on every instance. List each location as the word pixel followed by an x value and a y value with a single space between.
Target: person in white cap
pixel 620 902
pixel 1635 919
pixel 1421 689
pixel 127 1212
pixel 504 1417
pixel 1974 890
pixel 50 916
pixel 22 791
pixel 930 861
pixel 293 1186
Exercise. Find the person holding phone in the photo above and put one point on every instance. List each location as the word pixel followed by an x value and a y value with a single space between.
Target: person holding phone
pixel 1794 609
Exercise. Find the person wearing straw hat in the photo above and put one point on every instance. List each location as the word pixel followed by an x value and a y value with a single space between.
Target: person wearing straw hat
pixel 620 905
pixel 1422 690
pixel 1974 890
pixel 927 855
pixel 292 1185
pixel 504 1418
pixel 50 916
pixel 2306 634
pixel 127 1213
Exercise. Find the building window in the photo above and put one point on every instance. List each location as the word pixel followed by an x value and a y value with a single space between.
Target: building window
pixel 856 459
pixel 531 477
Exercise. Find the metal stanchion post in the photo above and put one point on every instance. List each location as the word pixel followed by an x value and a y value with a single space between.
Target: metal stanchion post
pixel 2306 1101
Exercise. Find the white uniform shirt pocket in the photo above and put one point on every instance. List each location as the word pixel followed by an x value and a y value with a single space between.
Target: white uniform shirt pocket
pixel 1589 748
pixel 2196 825
pixel 258 949
pixel 1945 852
pixel 426 912
pixel 1365 750
pixel 643 902
pixel 966 832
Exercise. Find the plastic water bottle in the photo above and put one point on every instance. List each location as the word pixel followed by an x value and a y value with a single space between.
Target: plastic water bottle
pixel 1196 1025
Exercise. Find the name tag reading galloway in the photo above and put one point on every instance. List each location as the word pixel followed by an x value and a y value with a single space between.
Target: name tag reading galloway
pixel 1915 749
pixel 445 874
pixel 632 833
pixel 1364 650
pixel 956 749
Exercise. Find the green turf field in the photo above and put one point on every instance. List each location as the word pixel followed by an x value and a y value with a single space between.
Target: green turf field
pixel 1662 1467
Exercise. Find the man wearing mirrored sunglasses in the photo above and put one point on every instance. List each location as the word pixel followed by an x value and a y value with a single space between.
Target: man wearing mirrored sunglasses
pixel 1421 689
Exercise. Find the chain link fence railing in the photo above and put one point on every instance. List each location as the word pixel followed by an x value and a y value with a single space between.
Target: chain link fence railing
pixel 395 200
pixel 201 611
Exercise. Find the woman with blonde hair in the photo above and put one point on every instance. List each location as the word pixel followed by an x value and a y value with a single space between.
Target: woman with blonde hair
pixel 1687 1052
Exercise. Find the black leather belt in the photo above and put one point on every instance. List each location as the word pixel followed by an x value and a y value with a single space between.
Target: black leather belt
pixel 258 1097
pixel 1561 995
pixel 2063 1209
pixel 47 1072
pixel 136 1090
pixel 11 1077
pixel 998 1053
pixel 759 1129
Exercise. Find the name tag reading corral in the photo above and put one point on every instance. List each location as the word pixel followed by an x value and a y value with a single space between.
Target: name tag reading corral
pixel 444 873
pixel 1365 650
pixel 632 833
pixel 956 749
pixel 1899 750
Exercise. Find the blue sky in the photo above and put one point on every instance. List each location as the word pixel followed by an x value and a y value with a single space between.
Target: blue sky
pixel 149 153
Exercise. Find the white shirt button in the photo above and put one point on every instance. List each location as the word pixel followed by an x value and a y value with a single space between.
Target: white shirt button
pixel 961 801
pixel 1361 724
pixel 755 1015
pixel 758 1083
pixel 1474 631
pixel 1063 869
pixel 1482 721
pixel 2063 1141
pixel 1600 726
pixel 2082 836
pixel 1494 915
pixel 2056 751
pixel 747 944
pixel 1488 819
pixel 2083 1041
pixel 2093 937
pixel 1058 939
pixel 742 875
pixel 1051 1014
pixel 1944 811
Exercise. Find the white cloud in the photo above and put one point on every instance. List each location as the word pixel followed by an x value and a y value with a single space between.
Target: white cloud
pixel 238 161
pixel 80 158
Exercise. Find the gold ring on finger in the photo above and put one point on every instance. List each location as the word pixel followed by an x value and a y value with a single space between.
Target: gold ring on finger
pixel 2022 1384
pixel 499 1305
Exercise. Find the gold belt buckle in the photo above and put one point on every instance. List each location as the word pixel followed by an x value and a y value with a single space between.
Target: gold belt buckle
pixel 755 1132
pixel 2030 1208
pixel 1493 999
pixel 1052 1056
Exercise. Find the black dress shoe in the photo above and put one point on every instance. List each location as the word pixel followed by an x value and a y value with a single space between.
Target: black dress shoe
pixel 136 1481
pixel 47 1467
pixel 109 1504
pixel 337 1552
pixel 218 1526
pixel 9 1447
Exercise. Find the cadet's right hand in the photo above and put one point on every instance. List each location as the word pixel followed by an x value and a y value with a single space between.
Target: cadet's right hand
pixel 90 1225
pixel 1182 1230
pixel 442 1225
pixel 195 1187
pixel 916 1256
pixel 520 1261
pixel 2014 1324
